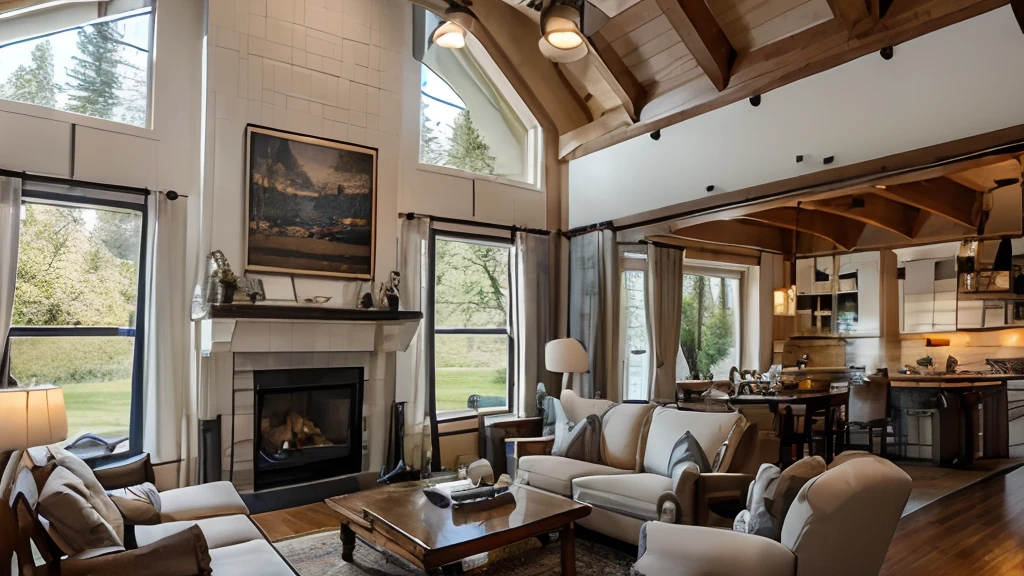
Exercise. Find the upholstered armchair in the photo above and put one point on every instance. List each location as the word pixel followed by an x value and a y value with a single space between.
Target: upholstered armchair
pixel 840 524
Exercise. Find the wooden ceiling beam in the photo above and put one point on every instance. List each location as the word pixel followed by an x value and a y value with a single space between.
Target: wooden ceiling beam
pixel 740 233
pixel 814 50
pixel 855 14
pixel 703 37
pixel 841 231
pixel 633 94
pixel 940 196
pixel 1018 12
pixel 873 210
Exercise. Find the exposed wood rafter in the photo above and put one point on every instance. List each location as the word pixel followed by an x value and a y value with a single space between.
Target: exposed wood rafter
pixel 806 53
pixel 703 37
pixel 855 14
pixel 871 209
pixel 634 95
pixel 940 196
pixel 740 233
pixel 841 231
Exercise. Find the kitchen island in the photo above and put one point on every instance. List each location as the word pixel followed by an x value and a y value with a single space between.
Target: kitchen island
pixel 950 419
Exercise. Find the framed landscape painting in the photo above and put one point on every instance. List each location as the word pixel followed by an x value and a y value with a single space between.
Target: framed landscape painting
pixel 311 205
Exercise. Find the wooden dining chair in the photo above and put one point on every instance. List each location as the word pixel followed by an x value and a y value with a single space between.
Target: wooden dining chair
pixel 869 410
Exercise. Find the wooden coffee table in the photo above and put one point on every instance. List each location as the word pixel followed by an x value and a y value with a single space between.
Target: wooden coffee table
pixel 400 519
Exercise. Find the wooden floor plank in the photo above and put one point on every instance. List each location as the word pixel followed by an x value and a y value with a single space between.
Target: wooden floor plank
pixel 977 530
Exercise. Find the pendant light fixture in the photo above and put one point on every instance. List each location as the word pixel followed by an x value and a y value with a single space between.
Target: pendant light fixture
pixel 560 25
pixel 784 299
pixel 450 35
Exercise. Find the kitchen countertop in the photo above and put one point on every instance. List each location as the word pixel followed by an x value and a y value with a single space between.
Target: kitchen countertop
pixel 949 380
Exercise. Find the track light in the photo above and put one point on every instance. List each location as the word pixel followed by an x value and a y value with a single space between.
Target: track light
pixel 450 35
pixel 656 135
pixel 561 27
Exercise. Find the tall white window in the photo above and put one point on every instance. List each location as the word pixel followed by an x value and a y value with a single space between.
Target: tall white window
pixel 90 58
pixel 634 347
pixel 710 329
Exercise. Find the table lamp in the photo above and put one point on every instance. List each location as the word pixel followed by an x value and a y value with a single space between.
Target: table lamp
pixel 566 355
pixel 31 417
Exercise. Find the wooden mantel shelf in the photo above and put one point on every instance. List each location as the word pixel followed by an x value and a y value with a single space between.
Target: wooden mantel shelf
pixel 306 313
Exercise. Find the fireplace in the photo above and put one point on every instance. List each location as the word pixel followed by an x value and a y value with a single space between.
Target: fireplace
pixel 308 425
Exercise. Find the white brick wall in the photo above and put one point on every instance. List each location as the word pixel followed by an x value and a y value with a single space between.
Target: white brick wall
pixel 328 68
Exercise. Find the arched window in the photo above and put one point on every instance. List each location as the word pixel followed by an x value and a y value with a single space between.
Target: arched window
pixel 470 117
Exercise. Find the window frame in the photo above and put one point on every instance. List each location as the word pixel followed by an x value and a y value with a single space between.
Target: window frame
pixel 432 331
pixel 712 269
pixel 121 199
pixel 17 107
pixel 637 263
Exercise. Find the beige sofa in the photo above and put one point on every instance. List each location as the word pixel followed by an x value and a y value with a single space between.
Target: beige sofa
pixel 235 544
pixel 634 484
pixel 840 524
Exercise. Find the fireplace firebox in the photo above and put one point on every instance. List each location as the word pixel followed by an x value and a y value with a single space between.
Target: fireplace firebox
pixel 309 425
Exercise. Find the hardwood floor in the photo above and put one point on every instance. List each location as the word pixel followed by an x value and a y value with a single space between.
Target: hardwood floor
pixel 977 531
pixel 284 524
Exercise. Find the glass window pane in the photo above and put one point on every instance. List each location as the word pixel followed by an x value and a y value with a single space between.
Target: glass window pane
pixel 636 353
pixel 95 373
pixel 471 371
pixel 710 329
pixel 471 285
pixel 77 267
pixel 99 70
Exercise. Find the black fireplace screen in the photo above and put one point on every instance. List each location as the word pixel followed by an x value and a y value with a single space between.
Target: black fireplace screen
pixel 308 425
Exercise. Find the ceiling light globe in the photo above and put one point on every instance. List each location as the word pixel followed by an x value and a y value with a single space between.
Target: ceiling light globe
pixel 450 35
pixel 564 40
pixel 562 28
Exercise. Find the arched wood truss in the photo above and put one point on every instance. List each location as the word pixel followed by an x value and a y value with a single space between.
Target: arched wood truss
pixel 654 63
pixel 899 211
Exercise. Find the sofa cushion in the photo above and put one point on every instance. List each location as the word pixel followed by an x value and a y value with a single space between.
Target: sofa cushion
pixel 633 495
pixel 578 440
pixel 669 424
pixel 139 504
pixel 202 501
pixel 72 511
pixel 249 559
pixel 756 519
pixel 687 450
pixel 98 496
pixel 555 474
pixel 622 428
pixel 219 532
pixel 577 408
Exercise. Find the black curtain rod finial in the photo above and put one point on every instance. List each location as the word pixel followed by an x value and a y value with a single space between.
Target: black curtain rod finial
pixel 171 195
pixel 410 216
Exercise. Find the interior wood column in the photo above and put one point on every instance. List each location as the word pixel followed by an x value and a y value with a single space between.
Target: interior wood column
pixel 889 309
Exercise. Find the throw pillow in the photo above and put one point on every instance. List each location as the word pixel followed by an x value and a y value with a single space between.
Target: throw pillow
pixel 686 449
pixel 547 410
pixel 582 441
pixel 71 509
pixel 781 493
pixel 756 519
pixel 101 502
pixel 139 505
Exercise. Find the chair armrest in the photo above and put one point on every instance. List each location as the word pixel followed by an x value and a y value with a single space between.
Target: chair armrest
pixel 130 472
pixel 688 550
pixel 719 487
pixel 183 554
pixel 677 505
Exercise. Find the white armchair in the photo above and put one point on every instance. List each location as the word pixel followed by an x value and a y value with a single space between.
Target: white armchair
pixel 840 524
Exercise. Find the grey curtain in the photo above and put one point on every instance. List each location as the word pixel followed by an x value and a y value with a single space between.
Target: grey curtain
pixel 10 225
pixel 411 383
pixel 531 315
pixel 593 303
pixel 664 293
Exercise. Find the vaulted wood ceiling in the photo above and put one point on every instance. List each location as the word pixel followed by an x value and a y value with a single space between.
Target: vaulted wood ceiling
pixel 932 206
pixel 654 63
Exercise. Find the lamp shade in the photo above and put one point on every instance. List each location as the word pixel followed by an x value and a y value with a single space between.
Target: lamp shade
pixel 32 417
pixel 566 355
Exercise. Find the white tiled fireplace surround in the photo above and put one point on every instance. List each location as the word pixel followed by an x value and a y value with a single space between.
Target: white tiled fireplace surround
pixel 237 347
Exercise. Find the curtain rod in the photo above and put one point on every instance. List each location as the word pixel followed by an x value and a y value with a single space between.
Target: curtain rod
pixel 1010 148
pixel 580 230
pixel 461 222
pixel 170 194
pixel 661 244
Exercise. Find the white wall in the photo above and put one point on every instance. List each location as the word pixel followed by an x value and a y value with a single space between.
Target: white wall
pixel 957 82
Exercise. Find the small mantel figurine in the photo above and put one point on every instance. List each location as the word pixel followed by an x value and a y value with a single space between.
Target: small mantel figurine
pixel 387 297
